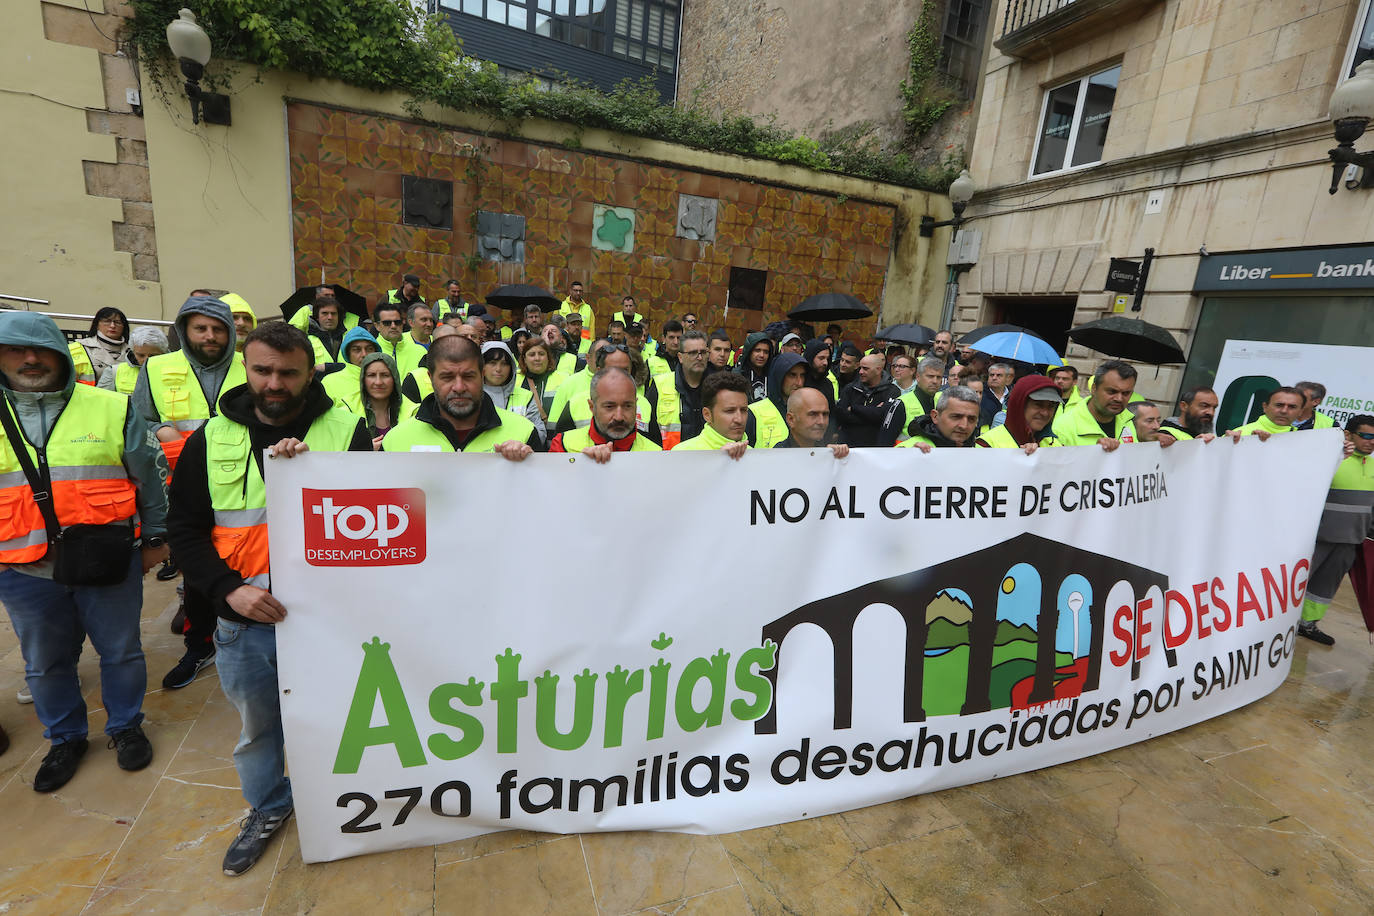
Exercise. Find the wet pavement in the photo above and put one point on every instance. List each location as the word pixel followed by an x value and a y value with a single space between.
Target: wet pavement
pixel 1264 810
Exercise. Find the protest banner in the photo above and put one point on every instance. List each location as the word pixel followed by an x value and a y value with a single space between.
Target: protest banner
pixel 684 642
pixel 1250 369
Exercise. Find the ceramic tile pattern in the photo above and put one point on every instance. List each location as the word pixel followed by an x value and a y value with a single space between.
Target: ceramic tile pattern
pixel 1265 810
pixel 346 171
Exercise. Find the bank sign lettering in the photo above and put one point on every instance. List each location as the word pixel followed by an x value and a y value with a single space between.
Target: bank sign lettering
pixel 382 527
pixel 1349 267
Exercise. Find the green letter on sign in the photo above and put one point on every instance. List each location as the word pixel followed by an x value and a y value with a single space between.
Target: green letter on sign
pixel 377 678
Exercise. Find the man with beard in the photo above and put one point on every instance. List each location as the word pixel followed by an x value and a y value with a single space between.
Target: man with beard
pixel 846 367
pixel 99 467
pixel 786 374
pixel 864 403
pixel 819 376
pixel 557 342
pixel 459 416
pixel 943 348
pixel 615 405
pixel 1197 408
pixel 218 526
pixel 177 392
pixel 327 332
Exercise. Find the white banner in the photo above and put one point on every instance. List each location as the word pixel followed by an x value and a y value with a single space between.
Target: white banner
pixel 1250 369
pixel 683 642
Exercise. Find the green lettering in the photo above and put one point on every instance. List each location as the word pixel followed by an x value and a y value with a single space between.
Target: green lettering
pixel 715 670
pixel 441 710
pixel 658 697
pixel 620 686
pixel 546 710
pixel 377 679
pixel 507 690
pixel 752 683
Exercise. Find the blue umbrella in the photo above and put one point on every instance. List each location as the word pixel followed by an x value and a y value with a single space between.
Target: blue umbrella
pixel 1021 346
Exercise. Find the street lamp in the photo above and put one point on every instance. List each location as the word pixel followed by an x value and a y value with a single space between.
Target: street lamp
pixel 960 193
pixel 1352 107
pixel 191 47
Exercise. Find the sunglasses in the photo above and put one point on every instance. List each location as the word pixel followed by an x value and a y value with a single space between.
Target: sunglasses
pixel 1365 436
pixel 390 322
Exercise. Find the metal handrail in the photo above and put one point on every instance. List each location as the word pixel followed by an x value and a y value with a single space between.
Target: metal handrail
pixel 72 316
pixel 1021 13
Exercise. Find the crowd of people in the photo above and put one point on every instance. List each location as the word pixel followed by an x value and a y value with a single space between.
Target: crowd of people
pixel 167 444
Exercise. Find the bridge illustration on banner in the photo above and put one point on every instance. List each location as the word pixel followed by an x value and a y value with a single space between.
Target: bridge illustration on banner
pixel 1016 624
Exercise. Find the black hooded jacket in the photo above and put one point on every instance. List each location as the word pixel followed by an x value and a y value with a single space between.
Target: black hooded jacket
pixel 191 517
pixel 860 412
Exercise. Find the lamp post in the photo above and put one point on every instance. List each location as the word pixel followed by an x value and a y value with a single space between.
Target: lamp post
pixel 1352 107
pixel 191 47
pixel 960 193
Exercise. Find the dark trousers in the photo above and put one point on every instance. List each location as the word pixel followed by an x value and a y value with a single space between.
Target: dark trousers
pixel 199 629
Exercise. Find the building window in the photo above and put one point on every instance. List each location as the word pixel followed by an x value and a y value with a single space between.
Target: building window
pixel 961 46
pixel 1073 127
pixel 1362 42
pixel 641 30
pixel 646 30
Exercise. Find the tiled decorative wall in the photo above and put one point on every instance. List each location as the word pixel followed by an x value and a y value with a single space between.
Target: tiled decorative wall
pixel 346 186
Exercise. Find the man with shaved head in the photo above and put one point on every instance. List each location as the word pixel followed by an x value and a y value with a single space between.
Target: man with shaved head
pixel 808 420
pixel 863 404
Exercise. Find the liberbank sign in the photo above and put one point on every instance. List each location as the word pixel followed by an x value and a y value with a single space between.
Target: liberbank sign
pixel 1344 267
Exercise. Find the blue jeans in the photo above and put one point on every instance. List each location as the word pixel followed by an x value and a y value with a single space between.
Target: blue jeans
pixel 52 621
pixel 246 656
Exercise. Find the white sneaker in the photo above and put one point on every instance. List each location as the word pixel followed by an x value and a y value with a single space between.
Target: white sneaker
pixel 25 698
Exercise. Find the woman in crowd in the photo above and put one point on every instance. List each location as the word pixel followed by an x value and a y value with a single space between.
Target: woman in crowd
pixel 498 377
pixel 108 339
pixel 144 342
pixel 381 396
pixel 539 375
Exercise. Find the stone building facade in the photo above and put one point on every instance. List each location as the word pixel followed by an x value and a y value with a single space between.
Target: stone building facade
pixel 1194 127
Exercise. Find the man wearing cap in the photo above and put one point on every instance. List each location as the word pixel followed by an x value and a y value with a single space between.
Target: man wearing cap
pixel 574 329
pixel 408 294
pixel 101 467
pixel 614 404
pixel 1031 408
pixel 176 393
pixel 792 343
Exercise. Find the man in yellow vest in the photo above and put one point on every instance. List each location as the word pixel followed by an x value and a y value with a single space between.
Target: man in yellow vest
pixel 1065 379
pixel 453 304
pixel 245 319
pixel 725 408
pixel 1101 417
pixel 1281 408
pixel 920 400
pixel 1197 409
pixel 99 466
pixel 953 422
pixel 393 339
pixel 1347 521
pixel 614 405
pixel 218 527
pixel 575 304
pixel 786 374
pixel 1310 417
pixel 176 393
pixel 459 416
pixel 808 422
pixel 345 385
pixel 408 294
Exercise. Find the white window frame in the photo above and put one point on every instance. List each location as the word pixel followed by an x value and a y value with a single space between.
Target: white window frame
pixel 1361 18
pixel 1082 82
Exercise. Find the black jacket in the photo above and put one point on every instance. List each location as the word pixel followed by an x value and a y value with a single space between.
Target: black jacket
pixel 190 515
pixel 487 418
pixel 860 412
pixel 925 426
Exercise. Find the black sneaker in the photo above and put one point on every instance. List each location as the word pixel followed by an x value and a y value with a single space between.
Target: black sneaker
pixel 133 749
pixel 59 766
pixel 190 665
pixel 252 841
pixel 168 571
pixel 1308 629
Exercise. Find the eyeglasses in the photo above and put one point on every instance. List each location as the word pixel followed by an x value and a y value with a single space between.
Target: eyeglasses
pixel 689 321
pixel 390 322
pixel 112 319
pixel 694 354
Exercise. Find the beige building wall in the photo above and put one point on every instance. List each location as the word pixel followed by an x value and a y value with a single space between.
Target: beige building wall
pixel 1221 110
pixel 62 243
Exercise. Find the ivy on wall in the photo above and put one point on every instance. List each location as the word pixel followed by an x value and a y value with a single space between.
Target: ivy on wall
pixel 925 97
pixel 391 45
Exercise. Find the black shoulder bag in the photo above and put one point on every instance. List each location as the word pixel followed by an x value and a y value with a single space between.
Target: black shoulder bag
pixel 80 554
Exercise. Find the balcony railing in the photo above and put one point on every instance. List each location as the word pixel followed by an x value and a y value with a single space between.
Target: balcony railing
pixel 1039 28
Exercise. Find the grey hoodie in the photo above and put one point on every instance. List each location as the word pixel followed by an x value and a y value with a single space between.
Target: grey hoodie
pixel 500 396
pixel 211 377
pixel 38 412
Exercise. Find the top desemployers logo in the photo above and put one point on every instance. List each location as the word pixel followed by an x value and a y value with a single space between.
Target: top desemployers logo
pixel 374 527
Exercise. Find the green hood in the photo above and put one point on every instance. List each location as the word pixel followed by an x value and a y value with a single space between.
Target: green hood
pixel 30 329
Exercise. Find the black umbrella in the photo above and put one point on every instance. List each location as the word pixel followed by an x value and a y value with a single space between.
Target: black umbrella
pixel 349 301
pixel 519 295
pixel 830 307
pixel 1129 338
pixel 977 334
pixel 914 335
